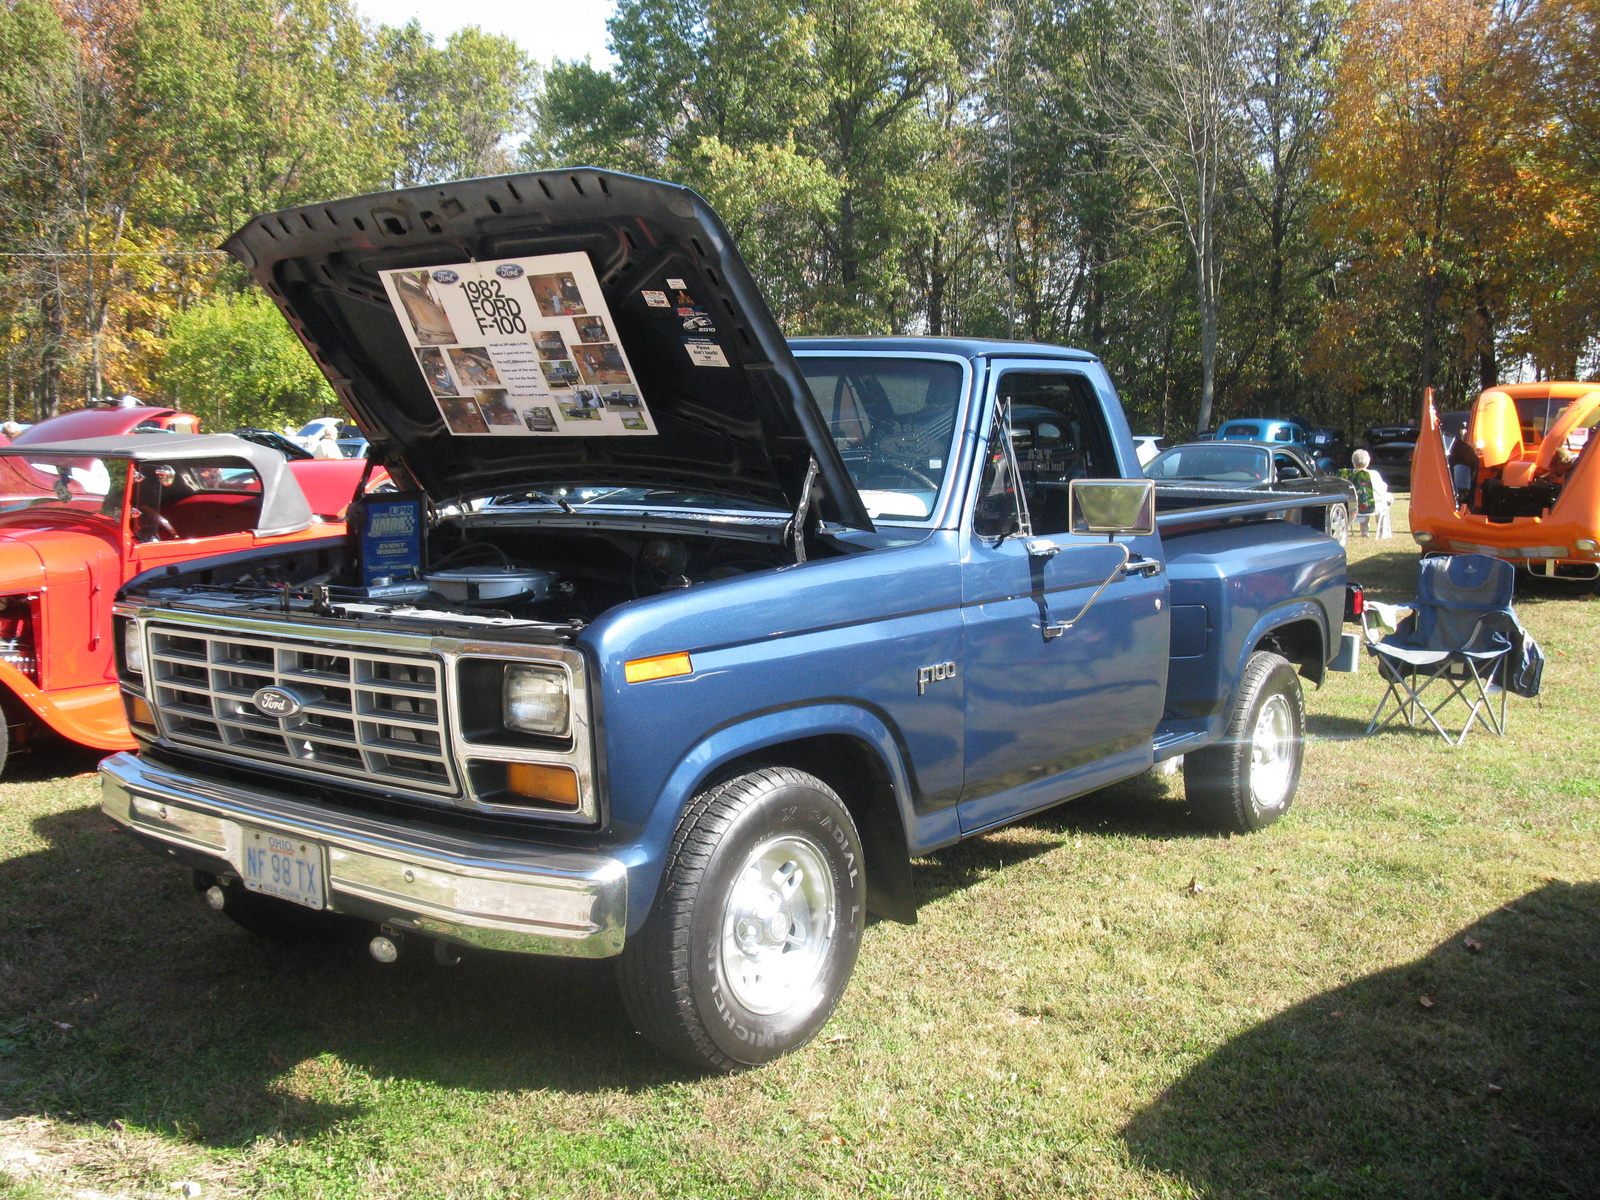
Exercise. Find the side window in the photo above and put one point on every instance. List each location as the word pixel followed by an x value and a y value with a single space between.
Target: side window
pixel 1058 434
pixel 196 498
pixel 1284 434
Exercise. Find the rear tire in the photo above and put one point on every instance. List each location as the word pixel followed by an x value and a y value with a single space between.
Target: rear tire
pixel 1247 781
pixel 757 925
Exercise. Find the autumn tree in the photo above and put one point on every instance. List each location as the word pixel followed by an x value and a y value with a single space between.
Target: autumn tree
pixel 1418 156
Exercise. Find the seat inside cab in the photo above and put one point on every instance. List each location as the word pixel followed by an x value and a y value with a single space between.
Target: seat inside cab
pixel 196 498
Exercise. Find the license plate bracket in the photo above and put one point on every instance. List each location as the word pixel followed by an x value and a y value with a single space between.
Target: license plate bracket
pixel 287 868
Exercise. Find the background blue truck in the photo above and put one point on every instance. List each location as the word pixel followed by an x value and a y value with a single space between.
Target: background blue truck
pixel 859 599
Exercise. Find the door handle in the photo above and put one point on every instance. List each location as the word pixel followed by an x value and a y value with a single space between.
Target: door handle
pixel 1141 566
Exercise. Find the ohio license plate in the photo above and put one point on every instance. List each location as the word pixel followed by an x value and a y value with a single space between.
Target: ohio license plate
pixel 285 867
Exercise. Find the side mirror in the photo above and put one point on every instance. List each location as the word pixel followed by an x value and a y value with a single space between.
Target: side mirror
pixel 1291 473
pixel 1119 507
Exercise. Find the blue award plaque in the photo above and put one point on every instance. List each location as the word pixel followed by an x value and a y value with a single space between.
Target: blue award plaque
pixel 391 539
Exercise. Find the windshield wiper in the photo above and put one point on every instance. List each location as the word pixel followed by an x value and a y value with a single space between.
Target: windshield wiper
pixel 558 501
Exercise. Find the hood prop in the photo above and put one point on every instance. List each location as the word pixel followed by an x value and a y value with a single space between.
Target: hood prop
pixel 802 509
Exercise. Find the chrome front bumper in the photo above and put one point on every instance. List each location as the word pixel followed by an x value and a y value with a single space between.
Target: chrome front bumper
pixel 495 893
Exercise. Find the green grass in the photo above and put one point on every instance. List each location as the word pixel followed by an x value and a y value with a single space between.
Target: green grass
pixel 1071 1017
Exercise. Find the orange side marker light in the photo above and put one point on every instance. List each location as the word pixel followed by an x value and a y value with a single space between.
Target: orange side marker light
pixel 662 666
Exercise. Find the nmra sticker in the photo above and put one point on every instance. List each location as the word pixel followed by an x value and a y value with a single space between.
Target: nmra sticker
pixel 445 277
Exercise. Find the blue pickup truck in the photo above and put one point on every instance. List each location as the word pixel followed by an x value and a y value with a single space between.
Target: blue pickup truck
pixel 709 633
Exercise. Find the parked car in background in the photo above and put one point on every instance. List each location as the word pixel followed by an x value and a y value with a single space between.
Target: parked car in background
pixel 1327 447
pixel 281 442
pixel 1146 446
pixel 78 518
pixel 1271 430
pixel 1258 469
pixel 1392 448
pixel 1519 483
pixel 108 422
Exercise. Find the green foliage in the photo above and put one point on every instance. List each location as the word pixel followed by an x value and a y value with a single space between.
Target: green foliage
pixel 456 107
pixel 235 361
pixel 136 137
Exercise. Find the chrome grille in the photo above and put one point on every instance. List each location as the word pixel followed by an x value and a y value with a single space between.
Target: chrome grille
pixel 373 716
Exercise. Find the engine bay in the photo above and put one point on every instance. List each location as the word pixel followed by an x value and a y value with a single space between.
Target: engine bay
pixel 555 573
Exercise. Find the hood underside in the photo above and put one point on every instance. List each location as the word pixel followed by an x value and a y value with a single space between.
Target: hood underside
pixel 559 327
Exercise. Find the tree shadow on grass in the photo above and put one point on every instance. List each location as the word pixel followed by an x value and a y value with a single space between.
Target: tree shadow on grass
pixel 123 997
pixel 1493 1090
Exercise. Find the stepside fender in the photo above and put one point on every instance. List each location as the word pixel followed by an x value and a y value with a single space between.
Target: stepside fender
pixel 1276 618
pixel 883 826
pixel 91 715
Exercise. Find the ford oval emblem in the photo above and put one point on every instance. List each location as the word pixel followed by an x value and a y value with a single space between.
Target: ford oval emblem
pixel 508 271
pixel 276 702
pixel 445 276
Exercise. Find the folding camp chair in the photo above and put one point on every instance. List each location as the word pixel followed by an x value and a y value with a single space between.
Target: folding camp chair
pixel 1457 644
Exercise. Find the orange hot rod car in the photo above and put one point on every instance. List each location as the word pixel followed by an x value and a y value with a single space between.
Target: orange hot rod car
pixel 1521 483
pixel 79 518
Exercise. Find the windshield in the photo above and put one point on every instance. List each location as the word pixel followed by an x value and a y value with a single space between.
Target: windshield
pixel 1240 433
pixel 94 487
pixel 893 420
pixel 1214 462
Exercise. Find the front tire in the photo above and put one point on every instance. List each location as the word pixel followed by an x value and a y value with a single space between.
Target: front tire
pixel 1247 781
pixel 757 925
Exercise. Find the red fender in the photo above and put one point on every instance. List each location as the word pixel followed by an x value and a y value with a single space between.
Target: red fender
pixel 91 715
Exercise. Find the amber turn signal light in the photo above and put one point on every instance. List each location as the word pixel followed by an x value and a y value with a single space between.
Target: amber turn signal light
pixel 138 710
pixel 662 666
pixel 556 786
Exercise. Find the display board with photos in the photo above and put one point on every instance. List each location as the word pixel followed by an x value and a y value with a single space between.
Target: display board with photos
pixel 519 347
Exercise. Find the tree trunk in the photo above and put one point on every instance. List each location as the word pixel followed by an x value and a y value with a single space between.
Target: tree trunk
pixel 1432 286
pixel 1488 362
pixel 50 354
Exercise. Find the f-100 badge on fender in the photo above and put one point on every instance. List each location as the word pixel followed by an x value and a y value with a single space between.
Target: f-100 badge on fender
pixel 937 673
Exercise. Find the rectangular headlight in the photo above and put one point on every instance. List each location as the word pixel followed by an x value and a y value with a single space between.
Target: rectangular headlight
pixel 535 700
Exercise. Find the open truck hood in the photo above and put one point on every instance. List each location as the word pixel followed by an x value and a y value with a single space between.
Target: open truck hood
pixel 558 327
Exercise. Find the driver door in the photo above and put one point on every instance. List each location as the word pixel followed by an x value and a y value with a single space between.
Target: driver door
pixel 1052 713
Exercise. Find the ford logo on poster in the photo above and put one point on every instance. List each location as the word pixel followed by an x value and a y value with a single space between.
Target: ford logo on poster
pixel 391 539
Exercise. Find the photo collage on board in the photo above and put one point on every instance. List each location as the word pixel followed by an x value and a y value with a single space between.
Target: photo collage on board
pixel 519 347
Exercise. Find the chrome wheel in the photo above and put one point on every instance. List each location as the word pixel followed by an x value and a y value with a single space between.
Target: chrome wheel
pixel 777 926
pixel 1272 754
pixel 1339 523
